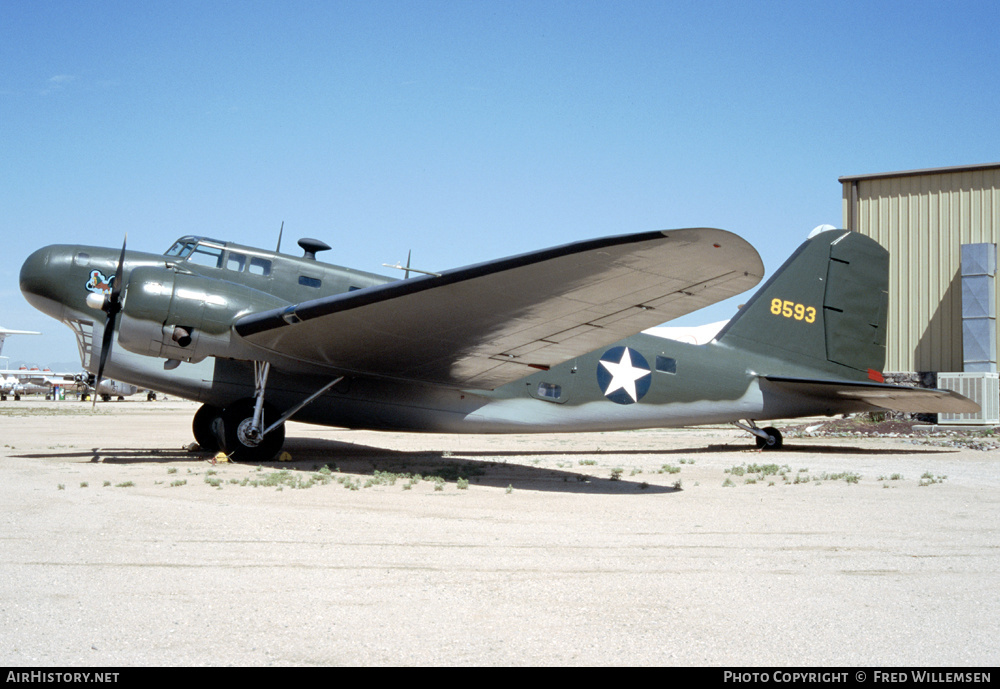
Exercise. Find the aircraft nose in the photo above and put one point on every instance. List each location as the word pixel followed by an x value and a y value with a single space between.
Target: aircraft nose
pixel 33 272
pixel 40 283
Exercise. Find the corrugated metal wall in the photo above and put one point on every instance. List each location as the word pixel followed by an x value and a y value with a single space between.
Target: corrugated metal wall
pixel 923 218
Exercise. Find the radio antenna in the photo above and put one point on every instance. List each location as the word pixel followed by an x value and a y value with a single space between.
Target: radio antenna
pixel 279 236
pixel 408 269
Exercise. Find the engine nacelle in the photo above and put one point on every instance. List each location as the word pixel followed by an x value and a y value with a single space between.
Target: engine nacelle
pixel 174 315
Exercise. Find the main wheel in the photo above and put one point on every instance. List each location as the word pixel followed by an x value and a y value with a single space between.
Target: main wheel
pixel 238 440
pixel 773 442
pixel 207 427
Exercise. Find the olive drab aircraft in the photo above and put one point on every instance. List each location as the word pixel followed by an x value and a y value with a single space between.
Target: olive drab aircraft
pixel 547 341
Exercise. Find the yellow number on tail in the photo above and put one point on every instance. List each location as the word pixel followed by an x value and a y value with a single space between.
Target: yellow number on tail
pixel 791 309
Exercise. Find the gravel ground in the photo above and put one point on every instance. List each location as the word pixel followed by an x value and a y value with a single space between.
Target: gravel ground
pixel 679 547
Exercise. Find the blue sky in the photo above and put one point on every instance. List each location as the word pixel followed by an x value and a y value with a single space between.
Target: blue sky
pixel 467 130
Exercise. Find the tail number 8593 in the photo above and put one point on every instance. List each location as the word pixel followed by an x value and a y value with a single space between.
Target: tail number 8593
pixel 790 309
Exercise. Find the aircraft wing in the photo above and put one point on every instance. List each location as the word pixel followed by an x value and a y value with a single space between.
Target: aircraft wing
pixel 880 395
pixel 36 377
pixel 495 322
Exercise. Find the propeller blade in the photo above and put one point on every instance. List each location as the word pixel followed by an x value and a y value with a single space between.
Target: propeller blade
pixel 112 306
pixel 109 336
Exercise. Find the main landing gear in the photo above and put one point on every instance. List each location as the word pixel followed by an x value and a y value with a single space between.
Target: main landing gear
pixel 766 438
pixel 231 430
pixel 239 429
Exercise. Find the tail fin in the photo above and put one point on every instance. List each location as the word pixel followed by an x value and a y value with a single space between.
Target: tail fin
pixel 825 308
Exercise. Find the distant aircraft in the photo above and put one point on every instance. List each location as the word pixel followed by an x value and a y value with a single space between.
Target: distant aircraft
pixel 24 380
pixel 4 332
pixel 32 381
pixel 10 386
pixel 10 381
pixel 106 389
pixel 548 341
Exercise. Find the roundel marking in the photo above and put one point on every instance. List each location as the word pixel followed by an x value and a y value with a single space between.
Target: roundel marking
pixel 624 375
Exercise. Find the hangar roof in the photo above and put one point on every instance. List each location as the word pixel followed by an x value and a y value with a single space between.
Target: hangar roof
pixel 916 173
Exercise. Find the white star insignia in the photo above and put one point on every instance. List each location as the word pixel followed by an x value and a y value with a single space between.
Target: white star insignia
pixel 624 375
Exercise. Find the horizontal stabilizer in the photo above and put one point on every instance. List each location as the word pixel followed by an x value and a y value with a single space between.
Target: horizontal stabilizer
pixel 878 395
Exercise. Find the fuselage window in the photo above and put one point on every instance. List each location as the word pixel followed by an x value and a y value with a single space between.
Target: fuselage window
pixel 549 391
pixel 666 364
pixel 235 262
pixel 309 282
pixel 260 266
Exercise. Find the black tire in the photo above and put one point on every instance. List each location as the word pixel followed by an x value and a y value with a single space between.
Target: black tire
pixel 207 426
pixel 775 440
pixel 234 443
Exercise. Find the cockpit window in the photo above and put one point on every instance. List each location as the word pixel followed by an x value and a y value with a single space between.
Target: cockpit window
pixel 210 256
pixel 181 248
pixel 213 254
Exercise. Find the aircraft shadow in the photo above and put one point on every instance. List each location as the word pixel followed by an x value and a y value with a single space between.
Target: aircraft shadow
pixel 790 448
pixel 358 459
pixel 479 467
pixel 120 455
pixel 310 455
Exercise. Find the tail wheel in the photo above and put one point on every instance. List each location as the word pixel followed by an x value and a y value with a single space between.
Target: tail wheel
pixel 772 442
pixel 240 444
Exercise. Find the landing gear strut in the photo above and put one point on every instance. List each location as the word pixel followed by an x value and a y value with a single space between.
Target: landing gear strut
pixel 242 438
pixel 239 430
pixel 766 438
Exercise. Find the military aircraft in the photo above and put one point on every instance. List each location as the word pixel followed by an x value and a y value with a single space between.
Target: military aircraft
pixel 24 380
pixel 547 341
pixel 106 389
pixel 4 332
pixel 10 386
pixel 32 381
pixel 10 381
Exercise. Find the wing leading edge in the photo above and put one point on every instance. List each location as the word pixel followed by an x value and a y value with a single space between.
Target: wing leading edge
pixel 492 323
